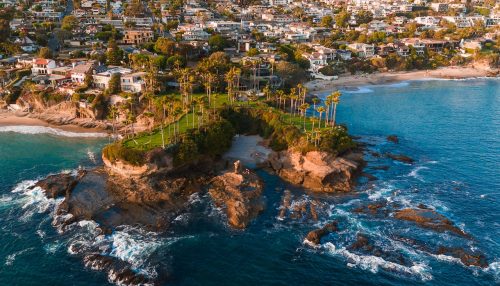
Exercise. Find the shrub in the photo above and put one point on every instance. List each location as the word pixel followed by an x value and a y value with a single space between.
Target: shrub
pixel 117 151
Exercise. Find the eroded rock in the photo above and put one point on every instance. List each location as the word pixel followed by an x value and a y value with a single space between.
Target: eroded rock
pixel 241 196
pixel 429 218
pixel 315 236
pixel 401 158
pixel 317 171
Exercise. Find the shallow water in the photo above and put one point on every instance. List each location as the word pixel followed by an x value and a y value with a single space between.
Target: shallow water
pixel 451 129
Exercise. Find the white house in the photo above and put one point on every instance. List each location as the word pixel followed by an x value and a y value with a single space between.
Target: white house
pixel 42 66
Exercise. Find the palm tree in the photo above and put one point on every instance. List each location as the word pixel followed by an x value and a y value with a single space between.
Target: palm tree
pixel 315 101
pixel 335 99
pixel 303 108
pixel 328 103
pixel 320 110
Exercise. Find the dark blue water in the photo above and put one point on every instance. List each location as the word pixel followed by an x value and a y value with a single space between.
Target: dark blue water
pixel 451 129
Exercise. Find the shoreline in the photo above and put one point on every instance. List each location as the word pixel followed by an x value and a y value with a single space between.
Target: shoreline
pixel 9 119
pixel 355 81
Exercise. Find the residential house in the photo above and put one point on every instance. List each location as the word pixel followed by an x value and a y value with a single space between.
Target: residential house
pixel 42 66
pixel 137 36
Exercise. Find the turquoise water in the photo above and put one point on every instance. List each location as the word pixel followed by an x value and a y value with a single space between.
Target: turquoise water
pixel 450 128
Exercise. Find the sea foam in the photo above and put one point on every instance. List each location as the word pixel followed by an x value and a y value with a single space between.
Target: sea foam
pixel 49 130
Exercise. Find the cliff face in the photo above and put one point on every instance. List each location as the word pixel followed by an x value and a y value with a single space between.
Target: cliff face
pixel 317 171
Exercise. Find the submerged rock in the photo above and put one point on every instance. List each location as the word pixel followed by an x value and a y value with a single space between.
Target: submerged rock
pixel 466 257
pixel 393 138
pixel 364 245
pixel 317 171
pixel 315 236
pixel 240 193
pixel 400 158
pixel 429 218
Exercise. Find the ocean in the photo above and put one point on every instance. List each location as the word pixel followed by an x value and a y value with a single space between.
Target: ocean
pixel 450 128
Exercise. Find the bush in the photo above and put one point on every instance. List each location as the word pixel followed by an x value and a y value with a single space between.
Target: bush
pixel 117 151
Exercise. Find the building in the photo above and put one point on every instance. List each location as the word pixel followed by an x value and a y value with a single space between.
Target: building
pixel 440 7
pixel 137 36
pixel 363 50
pixel 131 82
pixel 42 66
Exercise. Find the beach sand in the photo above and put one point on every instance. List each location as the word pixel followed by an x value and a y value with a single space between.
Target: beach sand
pixel 248 149
pixel 11 119
pixel 350 81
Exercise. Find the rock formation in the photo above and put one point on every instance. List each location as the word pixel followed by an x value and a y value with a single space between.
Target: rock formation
pixel 240 194
pixel 317 171
pixel 428 218
pixel 315 236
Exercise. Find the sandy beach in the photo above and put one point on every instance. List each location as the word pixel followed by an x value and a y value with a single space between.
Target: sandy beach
pixel 11 119
pixel 352 81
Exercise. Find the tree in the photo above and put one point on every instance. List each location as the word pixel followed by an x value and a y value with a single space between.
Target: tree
pixel 176 61
pixel 335 100
pixel 165 46
pixel 253 52
pixel 4 29
pixel 88 80
pixel 342 18
pixel 364 17
pixel 44 53
pixel 320 110
pixel 114 85
pixel 290 73
pixel 69 23
pixel 217 43
pixel 327 21
pixel 114 54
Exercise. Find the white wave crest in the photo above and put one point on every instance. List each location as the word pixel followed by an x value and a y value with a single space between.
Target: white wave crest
pixel 361 89
pixel 49 130
pixel 374 263
pixel 414 173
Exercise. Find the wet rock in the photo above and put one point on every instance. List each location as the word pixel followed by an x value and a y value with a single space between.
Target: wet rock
pixel 127 276
pixel 373 208
pixel 466 257
pixel 97 261
pixel 400 158
pixel 241 196
pixel 370 177
pixel 285 204
pixel 393 138
pixel 430 219
pixel 383 168
pixel 318 171
pixel 57 185
pixel 364 245
pixel 315 236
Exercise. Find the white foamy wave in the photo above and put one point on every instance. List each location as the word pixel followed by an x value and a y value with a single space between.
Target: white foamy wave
pixel 414 173
pixel 494 269
pixel 135 246
pixel 12 257
pixel 49 130
pixel 361 89
pixel 374 263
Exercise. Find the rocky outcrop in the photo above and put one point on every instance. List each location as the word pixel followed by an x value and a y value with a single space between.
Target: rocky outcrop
pixel 299 208
pixel 430 219
pixel 58 185
pixel 317 171
pixel 467 257
pixel 315 236
pixel 240 194
pixel 401 158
